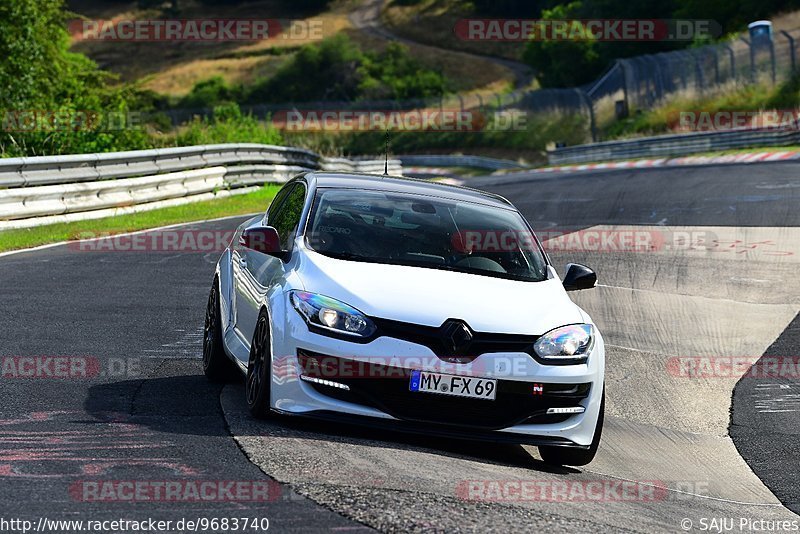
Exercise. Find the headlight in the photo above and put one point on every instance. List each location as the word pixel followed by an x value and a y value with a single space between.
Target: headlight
pixel 572 343
pixel 330 314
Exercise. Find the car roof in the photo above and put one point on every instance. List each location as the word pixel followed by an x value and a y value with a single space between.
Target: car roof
pixel 400 184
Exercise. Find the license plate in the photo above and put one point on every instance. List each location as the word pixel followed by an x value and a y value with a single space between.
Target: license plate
pixel 457 386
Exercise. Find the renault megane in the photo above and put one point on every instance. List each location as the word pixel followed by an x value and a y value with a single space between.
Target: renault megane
pixel 413 305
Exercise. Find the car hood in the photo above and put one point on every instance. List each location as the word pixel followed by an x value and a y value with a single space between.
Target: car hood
pixel 429 296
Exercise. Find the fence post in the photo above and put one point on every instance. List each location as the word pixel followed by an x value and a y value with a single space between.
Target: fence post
pixel 733 61
pixel 772 58
pixel 642 76
pixel 667 77
pixel 658 80
pixel 792 56
pixel 650 81
pixel 684 77
pixel 716 65
pixel 698 69
pixel 752 59
pixel 623 68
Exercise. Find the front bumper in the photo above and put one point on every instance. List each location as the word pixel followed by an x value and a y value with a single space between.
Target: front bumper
pixel 432 430
pixel 382 398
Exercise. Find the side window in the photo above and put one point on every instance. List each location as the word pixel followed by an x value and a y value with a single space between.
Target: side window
pixel 277 201
pixel 286 219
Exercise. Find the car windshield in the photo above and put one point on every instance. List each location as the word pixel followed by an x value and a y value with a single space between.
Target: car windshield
pixel 424 231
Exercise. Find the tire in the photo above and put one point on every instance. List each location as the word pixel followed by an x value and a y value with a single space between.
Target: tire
pixel 575 457
pixel 216 365
pixel 259 370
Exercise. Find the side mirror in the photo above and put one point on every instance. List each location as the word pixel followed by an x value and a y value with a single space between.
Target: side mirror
pixel 579 277
pixel 264 239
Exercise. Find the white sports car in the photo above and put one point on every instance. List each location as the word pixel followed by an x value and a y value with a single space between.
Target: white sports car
pixel 408 304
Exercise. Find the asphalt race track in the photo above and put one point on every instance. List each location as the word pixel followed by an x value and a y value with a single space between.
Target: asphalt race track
pixel 692 448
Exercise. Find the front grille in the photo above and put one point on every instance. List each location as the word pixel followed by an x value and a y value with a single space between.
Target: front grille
pixel 514 404
pixel 440 343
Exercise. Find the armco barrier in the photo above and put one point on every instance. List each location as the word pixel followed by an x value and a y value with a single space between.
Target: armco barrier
pixel 675 145
pixel 41 190
pixel 25 202
pixel 17 172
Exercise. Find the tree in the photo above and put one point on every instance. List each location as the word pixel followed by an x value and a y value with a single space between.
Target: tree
pixel 39 75
pixel 564 63
pixel 33 48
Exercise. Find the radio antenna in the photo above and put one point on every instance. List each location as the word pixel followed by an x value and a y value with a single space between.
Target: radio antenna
pixel 386 161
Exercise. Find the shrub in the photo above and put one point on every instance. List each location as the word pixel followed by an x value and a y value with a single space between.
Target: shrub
pixel 228 125
pixel 208 93
pixel 336 69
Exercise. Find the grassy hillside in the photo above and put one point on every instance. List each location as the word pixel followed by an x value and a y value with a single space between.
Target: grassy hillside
pixel 432 22
pixel 172 69
pixel 194 75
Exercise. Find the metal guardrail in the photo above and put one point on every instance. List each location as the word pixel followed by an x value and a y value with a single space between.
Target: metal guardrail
pixel 43 190
pixel 18 172
pixel 25 202
pixel 675 145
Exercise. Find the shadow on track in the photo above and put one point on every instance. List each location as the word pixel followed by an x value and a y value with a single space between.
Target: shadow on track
pixel 173 405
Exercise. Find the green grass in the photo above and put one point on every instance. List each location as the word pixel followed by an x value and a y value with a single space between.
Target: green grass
pixel 254 202
pixel 751 150
pixel 763 96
